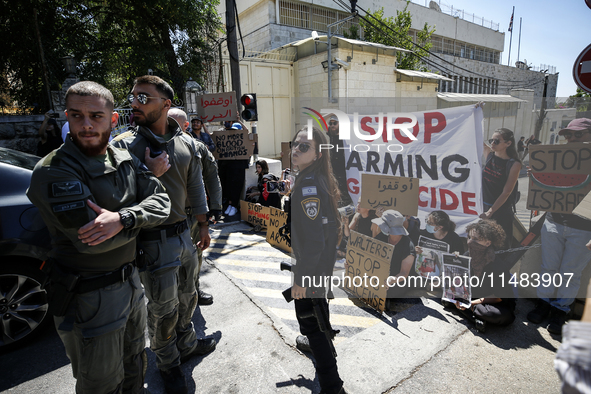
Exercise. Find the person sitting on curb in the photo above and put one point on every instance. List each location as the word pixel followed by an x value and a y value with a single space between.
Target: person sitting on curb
pixel 494 305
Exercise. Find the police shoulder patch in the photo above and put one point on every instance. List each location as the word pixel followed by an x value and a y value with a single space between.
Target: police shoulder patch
pixel 69 188
pixel 311 207
pixel 309 191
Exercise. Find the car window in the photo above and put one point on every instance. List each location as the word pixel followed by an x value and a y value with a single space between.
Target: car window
pixel 19 159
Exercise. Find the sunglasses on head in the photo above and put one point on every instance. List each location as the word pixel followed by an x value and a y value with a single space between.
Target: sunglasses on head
pixel 302 146
pixel 142 98
pixel 577 134
pixel 494 141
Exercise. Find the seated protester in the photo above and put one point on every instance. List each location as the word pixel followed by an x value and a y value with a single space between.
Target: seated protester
pixel 494 305
pixel 413 226
pixel 261 193
pixel 391 230
pixel 361 221
pixel 440 227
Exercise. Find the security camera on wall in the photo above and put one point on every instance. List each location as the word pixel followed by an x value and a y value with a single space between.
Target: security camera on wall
pixel 315 35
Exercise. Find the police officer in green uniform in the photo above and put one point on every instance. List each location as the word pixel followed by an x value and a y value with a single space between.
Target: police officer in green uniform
pixel 214 191
pixel 95 199
pixel 315 230
pixel 171 257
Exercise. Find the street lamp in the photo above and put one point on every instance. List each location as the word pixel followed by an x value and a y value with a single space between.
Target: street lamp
pixel 70 66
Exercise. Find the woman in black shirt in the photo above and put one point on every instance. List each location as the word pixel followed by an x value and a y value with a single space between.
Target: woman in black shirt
pixel 499 178
pixel 440 227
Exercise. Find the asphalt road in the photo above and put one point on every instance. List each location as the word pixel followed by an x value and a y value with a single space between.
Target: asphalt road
pixel 422 348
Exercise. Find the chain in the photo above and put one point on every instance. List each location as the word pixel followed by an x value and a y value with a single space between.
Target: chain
pixel 518 249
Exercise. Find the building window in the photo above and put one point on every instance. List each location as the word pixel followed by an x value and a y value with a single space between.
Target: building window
pixel 311 17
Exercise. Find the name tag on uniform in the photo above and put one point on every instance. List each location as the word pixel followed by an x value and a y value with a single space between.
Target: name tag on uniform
pixel 69 206
pixel 309 191
pixel 60 189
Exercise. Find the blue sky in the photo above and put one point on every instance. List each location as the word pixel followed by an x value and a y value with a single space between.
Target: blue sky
pixel 552 32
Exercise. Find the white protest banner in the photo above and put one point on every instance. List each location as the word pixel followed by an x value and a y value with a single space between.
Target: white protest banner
pixel 446 157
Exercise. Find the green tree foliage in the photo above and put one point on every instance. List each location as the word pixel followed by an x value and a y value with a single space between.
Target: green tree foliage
pixel 398 36
pixel 113 42
pixel 580 100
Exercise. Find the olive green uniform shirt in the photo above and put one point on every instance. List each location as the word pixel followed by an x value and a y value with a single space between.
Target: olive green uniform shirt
pixel 65 179
pixel 183 180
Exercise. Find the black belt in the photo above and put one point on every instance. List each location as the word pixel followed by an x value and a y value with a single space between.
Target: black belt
pixel 98 282
pixel 172 230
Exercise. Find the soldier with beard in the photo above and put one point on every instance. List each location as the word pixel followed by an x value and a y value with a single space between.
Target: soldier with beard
pixel 171 257
pixel 95 199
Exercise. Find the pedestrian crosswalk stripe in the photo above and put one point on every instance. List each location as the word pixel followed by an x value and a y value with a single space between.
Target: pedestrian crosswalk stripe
pixel 335 318
pixel 248 263
pixel 249 252
pixel 273 293
pixel 241 242
pixel 260 277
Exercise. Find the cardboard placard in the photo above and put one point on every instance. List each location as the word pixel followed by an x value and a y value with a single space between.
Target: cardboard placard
pixel 560 176
pixel 277 219
pixel 217 107
pixel 368 259
pixel 233 144
pixel 584 208
pixel 257 215
pixel 390 192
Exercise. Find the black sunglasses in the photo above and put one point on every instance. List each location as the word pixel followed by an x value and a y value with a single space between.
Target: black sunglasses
pixel 302 146
pixel 142 98
pixel 333 123
pixel 577 134
pixel 494 141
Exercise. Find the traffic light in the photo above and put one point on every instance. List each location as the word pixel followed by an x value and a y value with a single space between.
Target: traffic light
pixel 249 101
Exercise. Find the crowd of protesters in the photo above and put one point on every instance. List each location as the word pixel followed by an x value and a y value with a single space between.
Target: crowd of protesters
pixel 185 189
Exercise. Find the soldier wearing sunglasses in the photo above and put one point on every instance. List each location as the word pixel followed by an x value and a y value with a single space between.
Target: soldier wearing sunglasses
pixel 170 256
pixel 564 250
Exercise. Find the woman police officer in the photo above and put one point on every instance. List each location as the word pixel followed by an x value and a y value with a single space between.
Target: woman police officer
pixel 315 228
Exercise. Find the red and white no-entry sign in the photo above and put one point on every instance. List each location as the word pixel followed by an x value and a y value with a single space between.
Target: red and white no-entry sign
pixel 582 70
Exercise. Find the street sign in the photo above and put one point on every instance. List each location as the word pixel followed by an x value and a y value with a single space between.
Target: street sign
pixel 582 70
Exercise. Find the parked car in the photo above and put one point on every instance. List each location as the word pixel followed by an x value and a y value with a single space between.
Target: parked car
pixel 24 244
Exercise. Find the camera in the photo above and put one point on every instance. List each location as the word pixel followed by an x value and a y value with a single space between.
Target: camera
pixel 54 115
pixel 275 187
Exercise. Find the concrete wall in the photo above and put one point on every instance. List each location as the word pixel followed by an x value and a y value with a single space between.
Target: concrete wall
pixel 21 132
pixel 524 78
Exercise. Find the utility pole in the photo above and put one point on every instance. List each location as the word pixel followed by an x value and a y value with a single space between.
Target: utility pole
pixel 233 47
pixel 542 108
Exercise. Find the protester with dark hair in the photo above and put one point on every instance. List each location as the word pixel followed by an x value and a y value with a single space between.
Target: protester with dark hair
pixel 315 227
pixel 50 135
pixel 499 181
pixel 95 199
pixel 199 131
pixel 361 221
pixel 261 193
pixel 171 257
pixel 490 304
pixel 440 227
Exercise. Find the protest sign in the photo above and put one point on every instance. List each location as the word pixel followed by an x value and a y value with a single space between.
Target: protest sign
pixel 277 219
pixel 217 107
pixel 560 176
pixel 233 144
pixel 367 268
pixel 390 192
pixel 456 279
pixel 429 261
pixel 584 208
pixel 257 215
pixel 446 157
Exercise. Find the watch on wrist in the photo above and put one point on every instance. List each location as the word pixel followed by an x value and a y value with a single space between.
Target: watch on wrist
pixel 127 219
